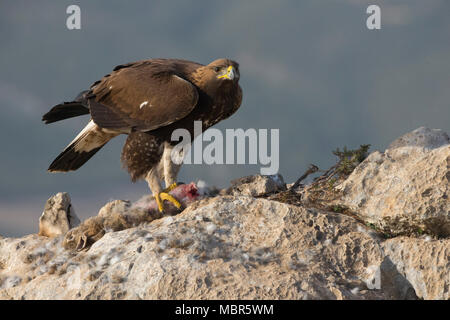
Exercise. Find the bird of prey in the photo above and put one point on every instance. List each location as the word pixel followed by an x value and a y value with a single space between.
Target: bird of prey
pixel 148 100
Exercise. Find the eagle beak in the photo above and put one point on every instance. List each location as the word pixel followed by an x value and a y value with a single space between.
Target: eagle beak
pixel 229 74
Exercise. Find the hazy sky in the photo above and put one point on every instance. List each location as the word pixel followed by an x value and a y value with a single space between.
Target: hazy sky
pixel 309 68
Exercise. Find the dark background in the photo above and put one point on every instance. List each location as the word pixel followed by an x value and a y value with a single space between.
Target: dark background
pixel 310 68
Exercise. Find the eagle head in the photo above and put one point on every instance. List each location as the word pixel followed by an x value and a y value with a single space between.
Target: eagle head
pixel 221 75
pixel 225 69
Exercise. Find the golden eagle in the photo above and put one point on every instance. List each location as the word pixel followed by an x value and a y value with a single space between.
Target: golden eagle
pixel 148 100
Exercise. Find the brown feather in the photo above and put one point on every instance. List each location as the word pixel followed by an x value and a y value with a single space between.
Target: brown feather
pixel 145 95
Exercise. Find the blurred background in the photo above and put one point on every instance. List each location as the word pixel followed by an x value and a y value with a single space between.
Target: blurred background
pixel 310 68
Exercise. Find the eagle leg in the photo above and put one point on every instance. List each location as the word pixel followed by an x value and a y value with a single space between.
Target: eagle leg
pixel 164 195
pixel 160 197
pixel 170 187
pixel 170 169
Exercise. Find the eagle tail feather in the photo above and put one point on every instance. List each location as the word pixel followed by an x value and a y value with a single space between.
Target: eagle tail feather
pixel 70 160
pixel 81 149
pixel 64 111
pixel 67 110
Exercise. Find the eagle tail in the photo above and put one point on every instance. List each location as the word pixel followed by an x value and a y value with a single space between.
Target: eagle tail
pixel 67 110
pixel 81 149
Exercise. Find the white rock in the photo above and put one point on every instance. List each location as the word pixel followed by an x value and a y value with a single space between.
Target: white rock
pixel 422 137
pixel 264 250
pixel 406 188
pixel 423 263
pixel 58 216
pixel 257 185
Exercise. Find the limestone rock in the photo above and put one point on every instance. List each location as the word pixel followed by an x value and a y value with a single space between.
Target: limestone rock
pixel 118 215
pixel 238 245
pixel 424 263
pixel 218 248
pixel 116 206
pixel 257 185
pixel 422 137
pixel 405 189
pixel 58 216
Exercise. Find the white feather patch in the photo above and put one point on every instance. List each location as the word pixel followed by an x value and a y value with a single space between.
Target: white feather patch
pixel 91 125
pixel 143 104
pixel 91 137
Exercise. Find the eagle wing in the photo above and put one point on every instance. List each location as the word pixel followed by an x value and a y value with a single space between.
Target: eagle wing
pixel 142 96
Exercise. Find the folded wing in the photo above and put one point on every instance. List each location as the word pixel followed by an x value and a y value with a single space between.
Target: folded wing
pixel 142 96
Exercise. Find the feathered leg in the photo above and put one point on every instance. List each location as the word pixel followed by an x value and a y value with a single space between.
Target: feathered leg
pixel 171 169
pixel 153 179
pixel 144 156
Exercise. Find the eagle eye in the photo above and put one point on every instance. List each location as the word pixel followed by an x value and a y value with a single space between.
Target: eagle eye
pixel 216 69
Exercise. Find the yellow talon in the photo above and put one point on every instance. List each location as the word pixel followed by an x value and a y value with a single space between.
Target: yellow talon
pixel 160 197
pixel 159 202
pixel 170 188
pixel 170 198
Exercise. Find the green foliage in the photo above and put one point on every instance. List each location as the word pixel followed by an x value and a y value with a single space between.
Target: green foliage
pixel 331 183
pixel 338 209
pixel 384 234
pixel 350 159
pixel 371 226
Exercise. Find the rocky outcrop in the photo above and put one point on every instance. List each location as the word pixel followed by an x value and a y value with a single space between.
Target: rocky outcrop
pixel 118 215
pixel 424 263
pixel 257 185
pixel 422 137
pixel 224 247
pixel 405 189
pixel 230 247
pixel 58 216
pixel 247 242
